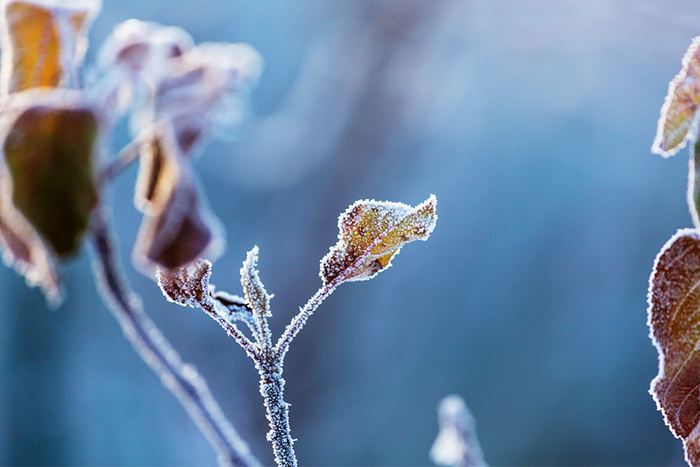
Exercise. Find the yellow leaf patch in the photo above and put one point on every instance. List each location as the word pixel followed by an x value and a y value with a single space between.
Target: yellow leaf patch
pixel 42 46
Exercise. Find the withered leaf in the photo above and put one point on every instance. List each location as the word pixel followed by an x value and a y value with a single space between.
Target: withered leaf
pixel 674 320
pixel 372 233
pixel 188 285
pixel 177 227
pixel 159 172
pixel 23 250
pixel 49 154
pixel 43 46
pixel 680 107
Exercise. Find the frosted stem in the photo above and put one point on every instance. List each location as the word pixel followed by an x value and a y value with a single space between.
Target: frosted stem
pixel 181 379
pixel 300 319
pixel 272 390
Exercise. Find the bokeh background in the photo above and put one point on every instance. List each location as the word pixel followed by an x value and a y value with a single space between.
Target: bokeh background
pixel 532 124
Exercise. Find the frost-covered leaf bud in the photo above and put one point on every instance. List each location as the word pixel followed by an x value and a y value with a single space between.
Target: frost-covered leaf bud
pixel 188 285
pixel 678 114
pixel 372 233
pixel 255 292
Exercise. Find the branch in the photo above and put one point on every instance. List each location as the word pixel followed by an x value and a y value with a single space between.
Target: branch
pixel 124 159
pixel 181 379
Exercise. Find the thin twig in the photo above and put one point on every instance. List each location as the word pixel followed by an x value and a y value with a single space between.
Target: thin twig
pixel 300 319
pixel 127 156
pixel 181 379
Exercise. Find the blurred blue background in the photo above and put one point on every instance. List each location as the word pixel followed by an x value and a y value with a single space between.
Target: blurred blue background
pixel 532 124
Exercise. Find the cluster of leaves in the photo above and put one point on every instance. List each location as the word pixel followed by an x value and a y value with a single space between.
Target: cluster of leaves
pixel 674 285
pixel 370 234
pixel 54 129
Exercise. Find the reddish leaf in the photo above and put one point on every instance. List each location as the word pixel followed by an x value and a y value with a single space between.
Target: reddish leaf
pixel 674 320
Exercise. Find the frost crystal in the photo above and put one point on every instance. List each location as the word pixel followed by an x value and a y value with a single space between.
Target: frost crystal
pixel 456 443
pixel 372 233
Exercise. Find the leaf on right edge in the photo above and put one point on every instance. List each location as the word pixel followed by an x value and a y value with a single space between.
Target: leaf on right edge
pixel 681 104
pixel 674 321
pixel 372 233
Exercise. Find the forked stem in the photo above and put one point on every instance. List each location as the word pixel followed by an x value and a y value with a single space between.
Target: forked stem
pixel 181 379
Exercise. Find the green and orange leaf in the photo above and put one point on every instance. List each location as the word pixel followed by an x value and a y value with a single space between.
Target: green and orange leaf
pixel 371 234
pixel 49 152
pixel 674 321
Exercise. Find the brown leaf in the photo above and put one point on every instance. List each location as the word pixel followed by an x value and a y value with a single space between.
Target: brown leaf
pixel 674 320
pixel 372 233
pixel 49 151
pixel 23 250
pixel 178 226
pixel 681 104
pixel 43 46
pixel 188 285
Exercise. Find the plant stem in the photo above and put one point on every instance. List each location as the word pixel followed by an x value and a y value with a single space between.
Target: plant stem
pixel 181 379
pixel 272 390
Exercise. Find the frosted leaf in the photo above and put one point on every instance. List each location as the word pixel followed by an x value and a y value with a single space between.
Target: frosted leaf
pixel 372 233
pixel 143 49
pixel 674 322
pixel 203 92
pixel 255 292
pixel 678 114
pixel 159 172
pixel 178 226
pixel 236 308
pixel 49 151
pixel 43 42
pixel 456 443
pixel 23 250
pixel 186 286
